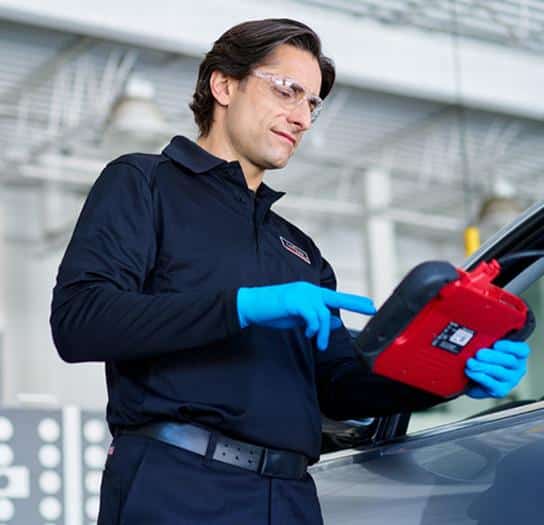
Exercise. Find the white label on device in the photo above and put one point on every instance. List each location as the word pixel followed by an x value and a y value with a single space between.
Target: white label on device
pixel 461 336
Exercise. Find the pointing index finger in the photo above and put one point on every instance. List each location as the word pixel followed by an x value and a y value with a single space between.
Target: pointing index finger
pixel 346 301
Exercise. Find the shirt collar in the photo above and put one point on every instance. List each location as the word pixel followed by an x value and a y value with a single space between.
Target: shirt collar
pixel 190 155
pixel 267 194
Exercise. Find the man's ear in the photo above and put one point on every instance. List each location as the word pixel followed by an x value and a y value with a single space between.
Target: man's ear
pixel 222 87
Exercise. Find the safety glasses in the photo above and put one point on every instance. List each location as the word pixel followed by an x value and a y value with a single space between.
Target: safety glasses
pixel 290 93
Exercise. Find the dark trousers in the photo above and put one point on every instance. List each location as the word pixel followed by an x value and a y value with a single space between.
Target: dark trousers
pixel 147 482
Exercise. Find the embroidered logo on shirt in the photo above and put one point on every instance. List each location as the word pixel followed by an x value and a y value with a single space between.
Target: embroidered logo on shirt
pixel 299 252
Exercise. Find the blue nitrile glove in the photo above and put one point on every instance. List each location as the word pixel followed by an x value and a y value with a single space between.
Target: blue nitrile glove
pixel 298 304
pixel 498 370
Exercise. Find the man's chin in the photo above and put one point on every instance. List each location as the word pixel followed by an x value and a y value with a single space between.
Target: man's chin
pixel 277 163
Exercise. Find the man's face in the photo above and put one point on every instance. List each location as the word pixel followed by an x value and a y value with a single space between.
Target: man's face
pixel 261 127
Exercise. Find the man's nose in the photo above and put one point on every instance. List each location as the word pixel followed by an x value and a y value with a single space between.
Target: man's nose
pixel 301 115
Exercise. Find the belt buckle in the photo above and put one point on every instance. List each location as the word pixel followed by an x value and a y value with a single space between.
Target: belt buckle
pixel 278 464
pixel 264 459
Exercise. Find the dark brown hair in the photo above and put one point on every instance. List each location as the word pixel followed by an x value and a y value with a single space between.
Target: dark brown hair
pixel 247 45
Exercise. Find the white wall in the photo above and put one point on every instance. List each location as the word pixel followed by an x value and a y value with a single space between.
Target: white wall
pixel 29 267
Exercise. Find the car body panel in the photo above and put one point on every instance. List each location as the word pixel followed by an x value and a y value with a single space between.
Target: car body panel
pixel 486 470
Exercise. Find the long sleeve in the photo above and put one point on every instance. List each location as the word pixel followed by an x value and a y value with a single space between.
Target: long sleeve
pixel 100 310
pixel 348 389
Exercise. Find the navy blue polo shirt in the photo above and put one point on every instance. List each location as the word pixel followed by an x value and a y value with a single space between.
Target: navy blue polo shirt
pixel 148 285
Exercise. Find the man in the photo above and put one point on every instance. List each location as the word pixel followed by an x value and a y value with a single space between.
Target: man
pixel 217 319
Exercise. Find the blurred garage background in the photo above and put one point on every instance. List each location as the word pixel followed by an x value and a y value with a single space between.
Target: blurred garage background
pixel 435 124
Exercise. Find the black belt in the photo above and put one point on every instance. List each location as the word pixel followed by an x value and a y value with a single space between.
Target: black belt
pixel 266 461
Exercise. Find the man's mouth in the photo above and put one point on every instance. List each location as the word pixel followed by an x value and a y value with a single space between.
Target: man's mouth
pixel 286 136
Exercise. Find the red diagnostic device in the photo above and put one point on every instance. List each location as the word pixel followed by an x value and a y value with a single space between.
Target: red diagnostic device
pixel 436 319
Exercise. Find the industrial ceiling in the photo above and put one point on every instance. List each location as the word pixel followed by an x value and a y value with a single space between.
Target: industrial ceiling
pixel 58 91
